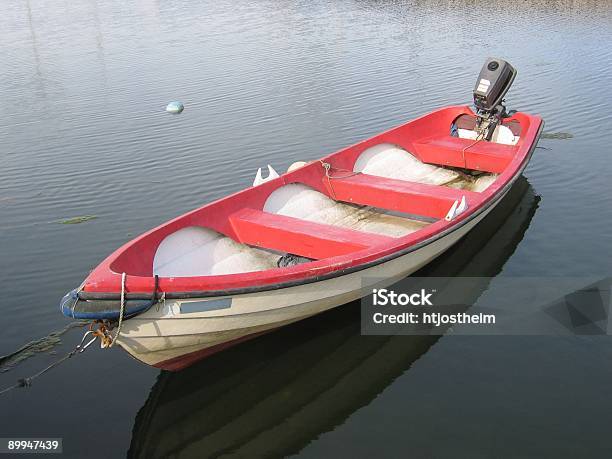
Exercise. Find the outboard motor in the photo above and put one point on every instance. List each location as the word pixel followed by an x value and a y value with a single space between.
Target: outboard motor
pixel 493 83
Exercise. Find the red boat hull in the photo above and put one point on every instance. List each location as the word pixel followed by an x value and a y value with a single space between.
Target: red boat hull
pixel 335 252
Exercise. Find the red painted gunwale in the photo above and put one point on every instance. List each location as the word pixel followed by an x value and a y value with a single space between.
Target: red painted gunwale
pixel 426 137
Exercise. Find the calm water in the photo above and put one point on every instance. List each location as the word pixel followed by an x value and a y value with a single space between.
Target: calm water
pixel 83 131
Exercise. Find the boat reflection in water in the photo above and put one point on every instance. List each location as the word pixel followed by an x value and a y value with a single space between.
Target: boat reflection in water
pixel 273 395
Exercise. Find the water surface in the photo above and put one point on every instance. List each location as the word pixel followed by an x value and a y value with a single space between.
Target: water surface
pixel 83 86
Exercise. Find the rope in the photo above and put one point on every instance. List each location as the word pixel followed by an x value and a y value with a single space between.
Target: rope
pixel 100 333
pixel 155 287
pixel 19 384
pixel 121 312
pixel 479 137
pixel 27 382
pixel 327 168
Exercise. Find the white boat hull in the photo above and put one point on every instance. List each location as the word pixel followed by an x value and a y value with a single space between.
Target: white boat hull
pixel 175 333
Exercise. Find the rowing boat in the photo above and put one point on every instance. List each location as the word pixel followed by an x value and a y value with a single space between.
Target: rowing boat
pixel 299 243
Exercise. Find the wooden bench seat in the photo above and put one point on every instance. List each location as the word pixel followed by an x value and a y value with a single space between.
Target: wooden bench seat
pixel 481 156
pixel 399 195
pixel 297 236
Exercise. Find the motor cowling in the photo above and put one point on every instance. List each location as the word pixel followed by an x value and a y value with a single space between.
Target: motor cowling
pixel 493 83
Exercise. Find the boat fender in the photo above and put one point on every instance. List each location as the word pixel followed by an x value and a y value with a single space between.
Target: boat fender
pixel 296 165
pixel 272 174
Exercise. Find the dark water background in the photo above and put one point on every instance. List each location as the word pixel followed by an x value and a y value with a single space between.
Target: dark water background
pixel 83 86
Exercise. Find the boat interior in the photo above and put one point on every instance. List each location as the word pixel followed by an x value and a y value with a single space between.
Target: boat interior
pixel 394 185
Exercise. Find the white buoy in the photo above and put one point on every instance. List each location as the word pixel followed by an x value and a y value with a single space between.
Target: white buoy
pixel 175 107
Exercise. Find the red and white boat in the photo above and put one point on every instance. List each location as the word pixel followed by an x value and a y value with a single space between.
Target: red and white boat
pixel 322 234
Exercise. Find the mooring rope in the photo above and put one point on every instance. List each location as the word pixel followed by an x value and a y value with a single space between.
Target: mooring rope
pixel 327 167
pixel 101 333
pixel 27 382
pixel 479 137
pixel 121 311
